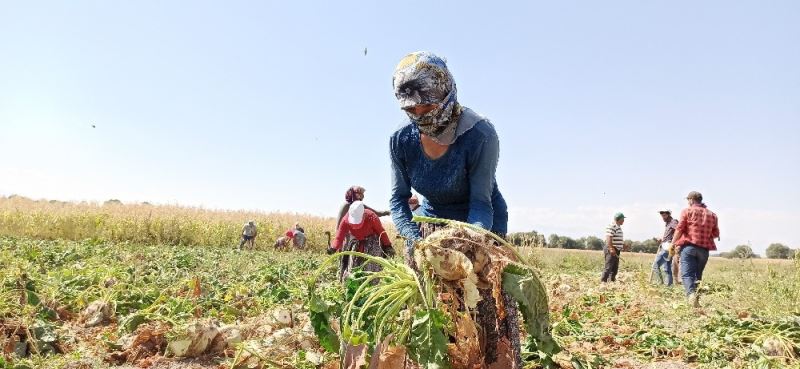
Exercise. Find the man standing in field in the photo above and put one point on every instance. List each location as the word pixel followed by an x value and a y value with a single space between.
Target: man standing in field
pixel 663 257
pixel 694 238
pixel 249 233
pixel 613 248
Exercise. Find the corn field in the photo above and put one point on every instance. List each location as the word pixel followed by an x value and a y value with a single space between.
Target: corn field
pixel 147 224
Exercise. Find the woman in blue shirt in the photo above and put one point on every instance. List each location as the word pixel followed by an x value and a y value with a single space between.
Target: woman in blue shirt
pixel 448 154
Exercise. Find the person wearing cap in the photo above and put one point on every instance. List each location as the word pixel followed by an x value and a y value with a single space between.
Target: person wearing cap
pixel 694 238
pixel 249 233
pixel 367 236
pixel 355 193
pixel 613 248
pixel 663 258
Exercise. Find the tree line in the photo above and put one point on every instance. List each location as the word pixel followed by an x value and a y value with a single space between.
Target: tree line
pixel 536 239
pixel 774 251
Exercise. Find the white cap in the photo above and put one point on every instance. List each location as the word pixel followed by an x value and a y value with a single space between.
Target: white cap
pixel 356 213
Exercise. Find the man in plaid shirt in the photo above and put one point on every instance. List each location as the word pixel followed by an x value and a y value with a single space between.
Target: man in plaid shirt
pixel 694 238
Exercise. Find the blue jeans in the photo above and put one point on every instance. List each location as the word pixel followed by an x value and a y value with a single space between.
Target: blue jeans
pixel 663 261
pixel 693 262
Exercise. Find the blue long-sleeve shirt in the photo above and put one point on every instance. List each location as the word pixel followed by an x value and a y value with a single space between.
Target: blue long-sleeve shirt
pixel 460 185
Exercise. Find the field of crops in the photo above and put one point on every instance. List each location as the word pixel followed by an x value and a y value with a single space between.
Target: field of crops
pixel 145 224
pixel 100 301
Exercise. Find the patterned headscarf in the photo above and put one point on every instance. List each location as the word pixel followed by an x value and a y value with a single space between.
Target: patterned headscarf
pixel 350 195
pixel 423 78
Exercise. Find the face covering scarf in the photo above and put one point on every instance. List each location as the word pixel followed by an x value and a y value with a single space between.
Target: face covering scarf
pixel 423 78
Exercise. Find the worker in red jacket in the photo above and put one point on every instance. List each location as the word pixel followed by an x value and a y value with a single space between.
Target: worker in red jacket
pixel 367 236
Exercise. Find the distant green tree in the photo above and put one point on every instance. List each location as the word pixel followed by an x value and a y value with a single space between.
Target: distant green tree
pixel 627 245
pixel 531 238
pixel 534 238
pixel 779 251
pixel 592 243
pixel 647 246
pixel 743 252
pixel 570 243
pixel 555 241
pixel 563 242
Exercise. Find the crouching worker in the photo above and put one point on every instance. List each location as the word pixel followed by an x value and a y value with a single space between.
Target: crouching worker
pixel 249 233
pixel 288 239
pixel 298 237
pixel 366 236
pixel 282 243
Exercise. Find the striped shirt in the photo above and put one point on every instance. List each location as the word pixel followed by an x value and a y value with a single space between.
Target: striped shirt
pixel 615 231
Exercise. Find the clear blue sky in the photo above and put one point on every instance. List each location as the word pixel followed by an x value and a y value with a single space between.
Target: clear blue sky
pixel 600 106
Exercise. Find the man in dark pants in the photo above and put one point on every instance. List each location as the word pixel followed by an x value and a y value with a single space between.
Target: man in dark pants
pixel 694 238
pixel 613 247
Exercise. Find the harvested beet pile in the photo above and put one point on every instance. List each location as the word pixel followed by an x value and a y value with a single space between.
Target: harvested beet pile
pixel 428 314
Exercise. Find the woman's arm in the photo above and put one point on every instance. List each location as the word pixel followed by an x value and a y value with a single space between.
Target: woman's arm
pixel 378 213
pixel 341 232
pixel 378 229
pixel 482 168
pixel 401 192
pixel 342 211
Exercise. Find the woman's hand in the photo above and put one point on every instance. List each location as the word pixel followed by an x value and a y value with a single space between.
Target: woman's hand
pixel 408 255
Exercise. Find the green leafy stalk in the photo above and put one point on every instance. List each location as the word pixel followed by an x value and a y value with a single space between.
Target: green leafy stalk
pixel 373 303
pixel 525 287
pixel 319 313
pixel 428 342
